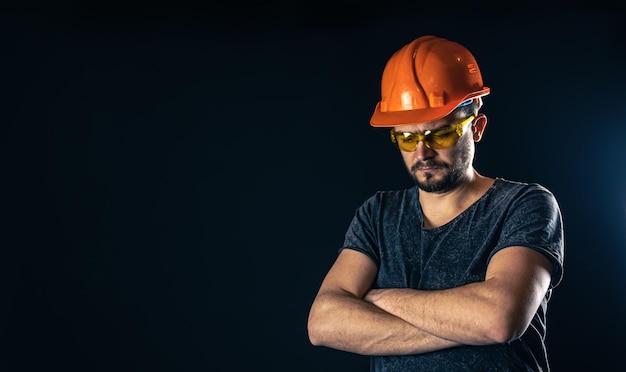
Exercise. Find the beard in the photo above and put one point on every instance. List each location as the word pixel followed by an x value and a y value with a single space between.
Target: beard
pixel 453 173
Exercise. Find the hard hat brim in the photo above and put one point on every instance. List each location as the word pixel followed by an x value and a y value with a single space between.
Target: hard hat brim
pixel 393 118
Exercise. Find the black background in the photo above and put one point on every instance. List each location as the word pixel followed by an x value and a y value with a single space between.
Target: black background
pixel 177 177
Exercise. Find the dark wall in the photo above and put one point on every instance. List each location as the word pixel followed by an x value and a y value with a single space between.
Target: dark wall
pixel 177 179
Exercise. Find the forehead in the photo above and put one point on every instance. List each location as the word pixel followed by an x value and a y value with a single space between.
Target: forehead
pixel 446 121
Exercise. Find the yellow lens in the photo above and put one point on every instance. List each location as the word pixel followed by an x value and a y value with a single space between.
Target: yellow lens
pixel 406 141
pixel 440 138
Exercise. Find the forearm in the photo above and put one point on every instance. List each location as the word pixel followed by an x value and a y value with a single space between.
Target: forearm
pixel 345 322
pixel 468 314
pixel 496 310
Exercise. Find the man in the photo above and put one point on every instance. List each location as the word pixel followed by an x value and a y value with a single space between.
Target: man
pixel 454 274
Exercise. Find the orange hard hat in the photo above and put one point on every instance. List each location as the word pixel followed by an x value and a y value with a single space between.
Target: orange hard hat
pixel 425 81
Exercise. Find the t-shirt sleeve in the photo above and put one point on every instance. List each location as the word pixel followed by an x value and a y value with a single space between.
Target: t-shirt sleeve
pixel 534 221
pixel 361 235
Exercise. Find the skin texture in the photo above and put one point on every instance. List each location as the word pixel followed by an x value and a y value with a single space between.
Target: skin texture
pixel 348 315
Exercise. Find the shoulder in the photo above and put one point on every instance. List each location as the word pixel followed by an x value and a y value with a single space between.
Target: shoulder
pixel 505 184
pixel 524 202
pixel 392 198
pixel 390 204
pixel 516 189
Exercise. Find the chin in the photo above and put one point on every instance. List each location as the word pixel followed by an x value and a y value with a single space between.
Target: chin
pixel 439 185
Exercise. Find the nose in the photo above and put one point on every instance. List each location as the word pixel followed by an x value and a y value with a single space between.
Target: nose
pixel 422 152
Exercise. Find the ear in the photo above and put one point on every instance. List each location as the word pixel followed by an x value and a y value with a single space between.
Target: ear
pixel 478 126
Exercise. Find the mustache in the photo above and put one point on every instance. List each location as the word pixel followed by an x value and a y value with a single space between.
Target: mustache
pixel 427 164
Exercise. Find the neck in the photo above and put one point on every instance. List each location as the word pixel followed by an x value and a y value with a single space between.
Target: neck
pixel 440 208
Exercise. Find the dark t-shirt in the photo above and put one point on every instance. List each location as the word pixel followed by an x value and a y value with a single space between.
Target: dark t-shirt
pixel 388 228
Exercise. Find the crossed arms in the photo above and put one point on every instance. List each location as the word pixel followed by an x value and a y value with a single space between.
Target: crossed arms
pixel 347 315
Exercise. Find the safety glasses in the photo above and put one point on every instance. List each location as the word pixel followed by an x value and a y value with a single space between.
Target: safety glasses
pixel 439 138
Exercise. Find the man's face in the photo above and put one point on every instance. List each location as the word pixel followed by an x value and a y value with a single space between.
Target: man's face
pixel 440 170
